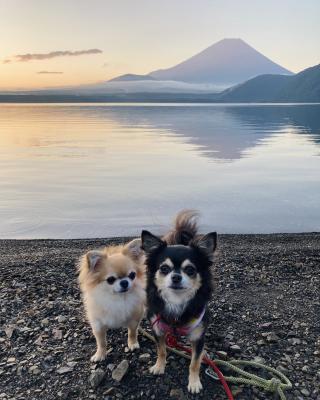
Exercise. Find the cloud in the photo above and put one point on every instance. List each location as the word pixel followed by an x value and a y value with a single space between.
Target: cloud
pixel 53 54
pixel 6 61
pixel 49 72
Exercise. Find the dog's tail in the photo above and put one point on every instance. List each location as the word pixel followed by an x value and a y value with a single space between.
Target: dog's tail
pixel 185 228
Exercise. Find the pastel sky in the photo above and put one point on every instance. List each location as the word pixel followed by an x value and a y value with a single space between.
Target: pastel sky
pixel 46 43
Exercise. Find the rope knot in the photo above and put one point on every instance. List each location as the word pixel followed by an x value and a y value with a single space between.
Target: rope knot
pixel 274 385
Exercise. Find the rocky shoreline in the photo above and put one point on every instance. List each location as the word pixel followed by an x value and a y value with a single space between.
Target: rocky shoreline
pixel 266 307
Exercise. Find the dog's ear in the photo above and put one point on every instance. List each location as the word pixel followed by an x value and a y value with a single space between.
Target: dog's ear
pixel 207 243
pixel 94 258
pixel 150 242
pixel 133 249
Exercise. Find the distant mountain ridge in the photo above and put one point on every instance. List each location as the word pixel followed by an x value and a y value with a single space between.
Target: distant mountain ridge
pixel 259 89
pixel 302 87
pixel 225 63
pixel 132 77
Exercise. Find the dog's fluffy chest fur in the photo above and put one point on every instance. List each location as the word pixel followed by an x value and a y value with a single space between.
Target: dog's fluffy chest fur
pixel 112 310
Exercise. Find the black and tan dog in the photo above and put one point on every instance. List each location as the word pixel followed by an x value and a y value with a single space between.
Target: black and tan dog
pixel 179 286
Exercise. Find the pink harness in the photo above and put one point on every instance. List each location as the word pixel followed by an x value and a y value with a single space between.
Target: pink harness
pixel 179 331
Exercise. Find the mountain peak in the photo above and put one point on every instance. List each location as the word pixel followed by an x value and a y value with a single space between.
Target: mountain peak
pixel 227 62
pixel 230 40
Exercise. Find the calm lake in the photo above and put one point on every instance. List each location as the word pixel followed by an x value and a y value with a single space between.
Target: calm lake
pixel 99 170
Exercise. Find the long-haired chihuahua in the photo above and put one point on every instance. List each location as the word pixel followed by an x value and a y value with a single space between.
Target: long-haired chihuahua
pixel 179 286
pixel 112 281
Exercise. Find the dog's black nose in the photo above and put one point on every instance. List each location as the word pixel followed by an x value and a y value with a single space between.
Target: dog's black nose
pixel 124 284
pixel 176 278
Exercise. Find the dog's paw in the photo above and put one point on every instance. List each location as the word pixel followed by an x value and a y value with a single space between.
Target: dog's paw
pixel 98 356
pixel 157 369
pixel 194 386
pixel 133 346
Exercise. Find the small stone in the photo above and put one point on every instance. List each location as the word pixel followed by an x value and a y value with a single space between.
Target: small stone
pixel 96 377
pixel 294 341
pixel 20 369
pixel 38 342
pixel 272 337
pixel 9 330
pixel 57 333
pixel 34 370
pixel 265 325
pixel 45 322
pixel 235 348
pixel 144 357
pixel 236 390
pixel 110 367
pixel 259 360
pixel 109 391
pixel 305 368
pixel 261 342
pixel 61 319
pixel 177 394
pixel 305 392
pixel 72 364
pixel 120 371
pixel 288 358
pixel 11 360
pixel 222 354
pixel 64 370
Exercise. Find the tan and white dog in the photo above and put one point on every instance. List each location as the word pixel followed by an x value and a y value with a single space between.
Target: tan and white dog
pixel 112 281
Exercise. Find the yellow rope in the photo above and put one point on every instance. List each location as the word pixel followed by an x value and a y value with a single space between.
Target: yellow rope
pixel 278 384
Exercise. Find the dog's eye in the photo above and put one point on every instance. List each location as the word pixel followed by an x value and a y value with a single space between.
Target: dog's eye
pixel 132 275
pixel 190 270
pixel 111 280
pixel 165 269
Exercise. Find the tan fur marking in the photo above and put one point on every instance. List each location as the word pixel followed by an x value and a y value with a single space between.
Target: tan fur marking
pixel 101 352
pixel 194 385
pixel 160 364
pixel 133 334
pixel 186 263
pixel 168 262
pixel 197 282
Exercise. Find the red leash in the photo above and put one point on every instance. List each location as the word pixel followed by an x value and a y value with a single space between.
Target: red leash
pixel 171 341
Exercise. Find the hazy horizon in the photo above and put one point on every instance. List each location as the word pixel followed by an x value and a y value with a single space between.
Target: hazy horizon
pixel 96 41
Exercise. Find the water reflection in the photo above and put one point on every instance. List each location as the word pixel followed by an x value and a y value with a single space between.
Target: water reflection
pixel 225 132
pixel 103 170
